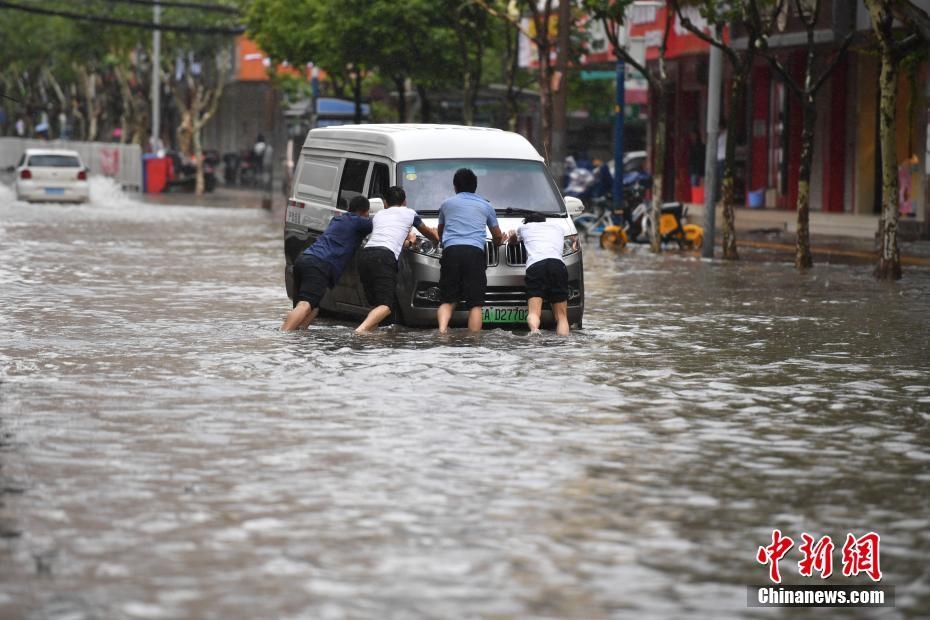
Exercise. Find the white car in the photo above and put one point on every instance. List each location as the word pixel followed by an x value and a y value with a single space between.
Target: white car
pixel 51 175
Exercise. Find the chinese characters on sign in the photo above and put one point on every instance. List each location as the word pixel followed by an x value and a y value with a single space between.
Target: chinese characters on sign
pixel 860 555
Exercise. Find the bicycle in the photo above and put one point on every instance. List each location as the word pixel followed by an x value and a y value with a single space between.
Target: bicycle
pixel 596 223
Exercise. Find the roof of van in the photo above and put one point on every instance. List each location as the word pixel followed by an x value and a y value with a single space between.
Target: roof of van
pixel 407 142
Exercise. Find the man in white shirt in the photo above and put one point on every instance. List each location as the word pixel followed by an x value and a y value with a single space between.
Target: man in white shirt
pixel 546 274
pixel 377 263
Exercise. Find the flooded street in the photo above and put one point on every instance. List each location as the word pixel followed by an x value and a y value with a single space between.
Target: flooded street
pixel 166 452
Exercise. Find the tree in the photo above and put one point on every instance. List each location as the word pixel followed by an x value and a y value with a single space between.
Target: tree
pixel 544 39
pixel 613 14
pixel 808 12
pixel 197 95
pixel 469 24
pixel 893 48
pixel 721 14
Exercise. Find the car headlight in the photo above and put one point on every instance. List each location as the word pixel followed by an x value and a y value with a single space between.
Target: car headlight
pixel 571 245
pixel 426 247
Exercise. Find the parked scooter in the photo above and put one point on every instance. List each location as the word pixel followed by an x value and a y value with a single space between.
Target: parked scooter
pixel 636 227
pixel 602 218
pixel 580 185
pixel 185 173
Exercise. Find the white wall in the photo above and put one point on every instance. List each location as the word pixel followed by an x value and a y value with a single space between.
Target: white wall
pixel 122 162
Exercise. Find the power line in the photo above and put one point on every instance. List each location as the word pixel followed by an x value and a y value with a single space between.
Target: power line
pixel 219 8
pixel 125 22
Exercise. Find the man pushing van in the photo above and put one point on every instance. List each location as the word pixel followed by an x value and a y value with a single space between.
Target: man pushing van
pixel 319 267
pixel 377 264
pixel 463 219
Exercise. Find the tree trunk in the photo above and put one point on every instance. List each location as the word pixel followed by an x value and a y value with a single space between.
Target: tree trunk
pixel 125 119
pixel 889 258
pixel 658 161
pixel 737 96
pixel 511 57
pixel 198 160
pixel 401 98
pixel 357 95
pixel 802 257
pixel 468 102
pixel 545 107
pixel 89 83
pixel 426 110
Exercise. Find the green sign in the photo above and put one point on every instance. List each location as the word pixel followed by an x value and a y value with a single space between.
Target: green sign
pixel 587 76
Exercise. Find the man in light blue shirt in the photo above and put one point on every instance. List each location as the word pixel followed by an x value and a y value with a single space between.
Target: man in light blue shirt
pixel 463 220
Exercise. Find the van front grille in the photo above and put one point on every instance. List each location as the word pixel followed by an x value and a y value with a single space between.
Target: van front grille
pixel 490 253
pixel 516 254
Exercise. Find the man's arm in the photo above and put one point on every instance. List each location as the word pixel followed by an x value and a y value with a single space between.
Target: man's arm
pixel 497 235
pixel 429 233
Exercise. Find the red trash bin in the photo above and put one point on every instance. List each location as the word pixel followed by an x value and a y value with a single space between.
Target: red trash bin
pixel 157 174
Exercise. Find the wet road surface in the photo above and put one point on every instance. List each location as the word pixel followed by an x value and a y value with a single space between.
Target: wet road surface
pixel 166 452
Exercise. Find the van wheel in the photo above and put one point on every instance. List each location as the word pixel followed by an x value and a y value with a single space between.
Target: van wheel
pixel 397 317
pixel 289 284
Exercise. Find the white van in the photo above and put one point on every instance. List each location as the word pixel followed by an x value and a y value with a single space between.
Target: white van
pixel 338 163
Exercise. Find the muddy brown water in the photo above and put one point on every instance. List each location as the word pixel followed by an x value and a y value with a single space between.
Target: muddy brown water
pixel 166 452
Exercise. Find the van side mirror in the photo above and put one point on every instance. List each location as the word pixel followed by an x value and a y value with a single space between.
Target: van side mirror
pixel 375 205
pixel 574 206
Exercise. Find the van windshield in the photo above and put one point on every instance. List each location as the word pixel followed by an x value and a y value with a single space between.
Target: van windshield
pixel 505 183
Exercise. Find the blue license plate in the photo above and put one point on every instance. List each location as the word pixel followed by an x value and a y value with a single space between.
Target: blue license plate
pixel 54 190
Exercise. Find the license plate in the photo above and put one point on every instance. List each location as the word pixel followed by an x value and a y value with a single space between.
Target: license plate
pixel 54 190
pixel 504 315
pixel 293 216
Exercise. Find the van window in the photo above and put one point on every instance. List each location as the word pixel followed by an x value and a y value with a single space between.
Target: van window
pixel 353 181
pixel 505 183
pixel 316 178
pixel 380 181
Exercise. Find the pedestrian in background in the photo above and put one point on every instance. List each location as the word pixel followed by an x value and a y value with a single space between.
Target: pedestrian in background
pixel 377 264
pixel 546 274
pixel 696 156
pixel 320 266
pixel 463 219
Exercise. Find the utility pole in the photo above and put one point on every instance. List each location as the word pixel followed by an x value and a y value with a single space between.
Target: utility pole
pixel 156 70
pixel 715 79
pixel 560 98
pixel 619 103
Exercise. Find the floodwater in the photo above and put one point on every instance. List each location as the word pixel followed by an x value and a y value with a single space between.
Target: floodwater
pixel 166 452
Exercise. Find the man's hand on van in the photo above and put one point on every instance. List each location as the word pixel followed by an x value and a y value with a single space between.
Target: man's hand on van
pixel 430 233
pixel 411 239
pixel 497 235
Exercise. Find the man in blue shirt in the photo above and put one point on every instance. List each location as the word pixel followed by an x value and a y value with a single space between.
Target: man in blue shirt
pixel 463 220
pixel 319 267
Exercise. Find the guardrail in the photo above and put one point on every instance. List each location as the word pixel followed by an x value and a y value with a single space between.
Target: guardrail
pixel 121 162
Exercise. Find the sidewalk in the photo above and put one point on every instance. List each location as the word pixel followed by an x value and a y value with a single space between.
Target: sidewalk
pixel 835 237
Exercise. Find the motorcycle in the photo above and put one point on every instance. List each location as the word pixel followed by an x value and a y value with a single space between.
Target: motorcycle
pixel 580 185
